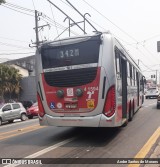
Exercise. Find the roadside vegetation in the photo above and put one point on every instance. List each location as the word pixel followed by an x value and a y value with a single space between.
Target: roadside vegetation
pixel 9 82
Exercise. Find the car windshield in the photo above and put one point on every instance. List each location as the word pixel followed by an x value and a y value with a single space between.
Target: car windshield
pixel 152 89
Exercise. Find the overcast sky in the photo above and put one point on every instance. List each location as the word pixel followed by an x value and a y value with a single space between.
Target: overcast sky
pixel 136 23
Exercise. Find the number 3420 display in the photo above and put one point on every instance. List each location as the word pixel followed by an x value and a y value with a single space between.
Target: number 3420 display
pixel 68 53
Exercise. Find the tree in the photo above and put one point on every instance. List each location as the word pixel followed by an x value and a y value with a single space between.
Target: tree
pixel 9 81
pixel 2 1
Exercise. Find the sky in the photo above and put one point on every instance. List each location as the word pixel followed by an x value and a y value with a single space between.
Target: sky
pixel 136 23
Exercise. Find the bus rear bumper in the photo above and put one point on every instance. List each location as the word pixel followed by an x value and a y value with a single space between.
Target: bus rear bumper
pixel 91 121
pixel 48 120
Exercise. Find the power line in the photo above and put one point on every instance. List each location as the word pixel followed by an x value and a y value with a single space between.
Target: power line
pixel 141 53
pixel 11 45
pixel 145 40
pixel 13 39
pixel 116 26
pixel 87 18
pixel 17 10
pixel 119 28
pixel 19 7
pixel 15 50
pixel 15 53
pixel 54 20
pixel 55 24
pixel 146 66
pixel 110 21
pixel 33 5
pixel 60 26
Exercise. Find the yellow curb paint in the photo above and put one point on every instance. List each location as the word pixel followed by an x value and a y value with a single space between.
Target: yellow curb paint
pixel 28 127
pixel 146 148
pixel 22 132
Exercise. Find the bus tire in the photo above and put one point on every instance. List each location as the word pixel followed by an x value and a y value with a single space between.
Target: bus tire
pixel 125 124
pixel 131 112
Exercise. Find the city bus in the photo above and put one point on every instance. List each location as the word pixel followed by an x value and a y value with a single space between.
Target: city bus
pixel 87 81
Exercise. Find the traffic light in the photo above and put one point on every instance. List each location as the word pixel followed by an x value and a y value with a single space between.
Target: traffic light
pixel 153 76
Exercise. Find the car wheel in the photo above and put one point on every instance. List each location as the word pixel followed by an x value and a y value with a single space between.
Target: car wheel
pixel 0 121
pixel 11 121
pixel 30 117
pixel 23 117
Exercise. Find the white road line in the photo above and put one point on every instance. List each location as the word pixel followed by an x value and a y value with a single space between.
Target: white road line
pixel 39 153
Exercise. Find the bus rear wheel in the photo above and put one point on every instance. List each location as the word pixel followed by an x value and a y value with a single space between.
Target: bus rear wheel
pixel 130 114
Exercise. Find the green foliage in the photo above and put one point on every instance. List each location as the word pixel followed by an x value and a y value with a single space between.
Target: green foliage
pixel 9 80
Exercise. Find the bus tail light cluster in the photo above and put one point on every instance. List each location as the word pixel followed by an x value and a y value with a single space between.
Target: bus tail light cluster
pixel 78 93
pixel 60 93
pixel 110 104
pixel 41 111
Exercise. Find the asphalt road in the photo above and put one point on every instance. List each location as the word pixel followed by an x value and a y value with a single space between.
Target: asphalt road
pixel 24 139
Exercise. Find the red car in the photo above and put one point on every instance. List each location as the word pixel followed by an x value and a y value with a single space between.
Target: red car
pixel 32 111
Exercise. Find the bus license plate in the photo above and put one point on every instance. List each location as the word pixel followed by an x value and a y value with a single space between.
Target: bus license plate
pixel 72 106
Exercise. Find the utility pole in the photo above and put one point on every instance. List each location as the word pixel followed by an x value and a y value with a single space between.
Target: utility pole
pixel 36 28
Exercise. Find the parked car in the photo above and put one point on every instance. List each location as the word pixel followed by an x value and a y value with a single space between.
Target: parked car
pixel 32 111
pixel 158 102
pixel 27 104
pixel 11 111
pixel 152 92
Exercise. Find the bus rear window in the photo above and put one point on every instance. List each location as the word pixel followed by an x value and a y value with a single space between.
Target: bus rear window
pixel 85 52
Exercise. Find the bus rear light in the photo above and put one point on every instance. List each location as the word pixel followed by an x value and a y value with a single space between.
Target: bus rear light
pixel 110 104
pixel 60 93
pixel 79 92
pixel 41 111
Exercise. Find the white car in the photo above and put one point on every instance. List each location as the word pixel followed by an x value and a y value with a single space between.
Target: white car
pixel 152 92
pixel 11 111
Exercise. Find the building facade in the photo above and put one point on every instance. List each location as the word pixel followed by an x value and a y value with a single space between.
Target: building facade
pixel 26 67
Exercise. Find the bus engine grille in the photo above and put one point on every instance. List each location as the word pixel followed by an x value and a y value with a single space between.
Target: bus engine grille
pixel 71 78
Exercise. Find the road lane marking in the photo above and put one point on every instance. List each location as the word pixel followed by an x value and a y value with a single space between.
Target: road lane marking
pixel 146 148
pixel 18 129
pixel 6 137
pixel 24 130
pixel 44 151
